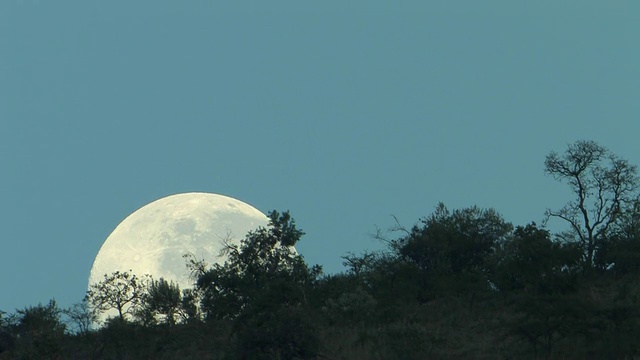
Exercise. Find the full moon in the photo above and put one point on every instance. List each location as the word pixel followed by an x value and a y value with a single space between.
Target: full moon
pixel 154 239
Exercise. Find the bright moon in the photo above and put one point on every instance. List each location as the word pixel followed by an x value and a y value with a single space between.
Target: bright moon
pixel 154 239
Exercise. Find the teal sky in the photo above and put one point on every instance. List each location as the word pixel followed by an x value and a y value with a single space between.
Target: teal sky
pixel 343 112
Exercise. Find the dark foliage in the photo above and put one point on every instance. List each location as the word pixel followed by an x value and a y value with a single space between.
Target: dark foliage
pixel 460 284
pixel 39 332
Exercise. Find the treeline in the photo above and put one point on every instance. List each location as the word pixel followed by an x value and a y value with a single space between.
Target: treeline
pixel 461 283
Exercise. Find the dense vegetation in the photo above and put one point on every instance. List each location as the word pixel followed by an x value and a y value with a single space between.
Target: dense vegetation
pixel 460 284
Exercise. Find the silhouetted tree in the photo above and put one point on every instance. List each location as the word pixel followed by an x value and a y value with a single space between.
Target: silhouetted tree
pixel 603 185
pixel 391 280
pixel 81 317
pixel 264 267
pixel 162 299
pixel 530 260
pixel 452 249
pixel 263 287
pixel 451 242
pixel 121 291
pixel 7 342
pixel 620 253
pixel 39 331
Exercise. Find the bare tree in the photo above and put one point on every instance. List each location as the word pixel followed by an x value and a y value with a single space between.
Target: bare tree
pixel 603 185
pixel 80 317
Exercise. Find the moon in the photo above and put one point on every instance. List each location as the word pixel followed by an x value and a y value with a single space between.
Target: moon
pixel 154 239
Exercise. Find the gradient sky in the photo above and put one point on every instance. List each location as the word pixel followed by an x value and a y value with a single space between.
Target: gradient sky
pixel 343 112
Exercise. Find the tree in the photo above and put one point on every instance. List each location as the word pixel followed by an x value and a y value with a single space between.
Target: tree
pixel 7 342
pixel 282 333
pixel 264 268
pixel 603 186
pixel 621 252
pixel 81 317
pixel 263 287
pixel 163 299
pixel 531 261
pixel 383 278
pixel 450 242
pixel 452 249
pixel 39 331
pixel 120 291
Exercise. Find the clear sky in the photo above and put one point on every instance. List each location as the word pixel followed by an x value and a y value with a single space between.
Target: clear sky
pixel 343 112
